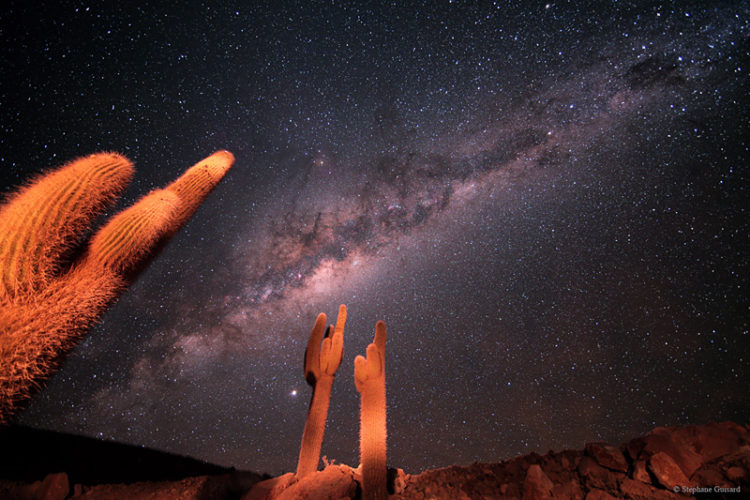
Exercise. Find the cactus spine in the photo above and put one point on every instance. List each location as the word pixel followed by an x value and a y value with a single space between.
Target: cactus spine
pixel 321 363
pixel 369 376
pixel 47 301
pixel 43 220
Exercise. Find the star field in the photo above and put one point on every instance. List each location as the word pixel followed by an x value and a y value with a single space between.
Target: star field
pixel 546 204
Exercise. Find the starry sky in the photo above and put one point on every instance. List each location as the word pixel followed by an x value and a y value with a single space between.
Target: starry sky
pixel 545 202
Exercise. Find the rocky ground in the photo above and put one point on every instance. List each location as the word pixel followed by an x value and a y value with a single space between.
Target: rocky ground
pixel 668 462
pixel 708 461
pixel 58 487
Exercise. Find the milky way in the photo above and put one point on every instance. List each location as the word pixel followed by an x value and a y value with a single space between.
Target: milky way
pixel 545 204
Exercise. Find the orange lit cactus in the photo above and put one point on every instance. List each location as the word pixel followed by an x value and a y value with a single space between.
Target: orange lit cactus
pixel 197 183
pixel 150 219
pixel 44 220
pixel 321 363
pixel 48 302
pixel 369 376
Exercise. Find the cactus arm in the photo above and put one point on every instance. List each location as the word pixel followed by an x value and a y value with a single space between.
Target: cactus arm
pixel 197 183
pixel 46 304
pixel 133 233
pixel 325 354
pixel 326 358
pixel 332 350
pixel 380 338
pixel 44 219
pixel 369 377
pixel 340 322
pixel 312 353
pixel 337 342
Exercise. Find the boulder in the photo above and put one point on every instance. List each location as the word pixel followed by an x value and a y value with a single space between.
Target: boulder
pixel 607 456
pixel 671 442
pixel 560 467
pixel 736 474
pixel 714 440
pixel 270 488
pixel 599 495
pixel 710 474
pixel 537 485
pixel 397 479
pixel 640 473
pixel 594 476
pixel 568 491
pixel 510 490
pixel 54 487
pixel 334 482
pixel 666 471
pixel 636 490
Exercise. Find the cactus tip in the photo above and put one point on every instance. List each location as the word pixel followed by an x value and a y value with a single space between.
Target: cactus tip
pixel 219 163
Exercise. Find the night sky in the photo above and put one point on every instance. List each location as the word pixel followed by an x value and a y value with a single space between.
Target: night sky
pixel 546 203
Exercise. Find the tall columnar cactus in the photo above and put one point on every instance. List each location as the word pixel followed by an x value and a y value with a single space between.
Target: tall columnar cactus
pixel 321 363
pixel 369 376
pixel 52 287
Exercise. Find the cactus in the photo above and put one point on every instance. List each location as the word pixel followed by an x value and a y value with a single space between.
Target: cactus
pixel 321 363
pixel 43 220
pixel 149 219
pixel 197 183
pixel 52 288
pixel 369 376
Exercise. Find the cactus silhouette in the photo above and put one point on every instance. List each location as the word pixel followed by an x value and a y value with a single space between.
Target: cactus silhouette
pixel 369 376
pixel 321 363
pixel 53 287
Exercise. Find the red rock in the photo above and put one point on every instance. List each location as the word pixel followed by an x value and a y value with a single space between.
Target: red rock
pixel 568 491
pixel 667 440
pixel 334 482
pixel 640 473
pixel 594 475
pixel 26 491
pixel 599 495
pixel 734 466
pixel 736 473
pixel 607 456
pixel 637 490
pixel 270 488
pixel 54 487
pixel 716 439
pixel 663 454
pixel 510 491
pixel 709 474
pixel 666 471
pixel 560 467
pixel 537 485
pixel 397 481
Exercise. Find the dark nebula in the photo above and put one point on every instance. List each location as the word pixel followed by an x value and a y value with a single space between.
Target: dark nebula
pixel 545 203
